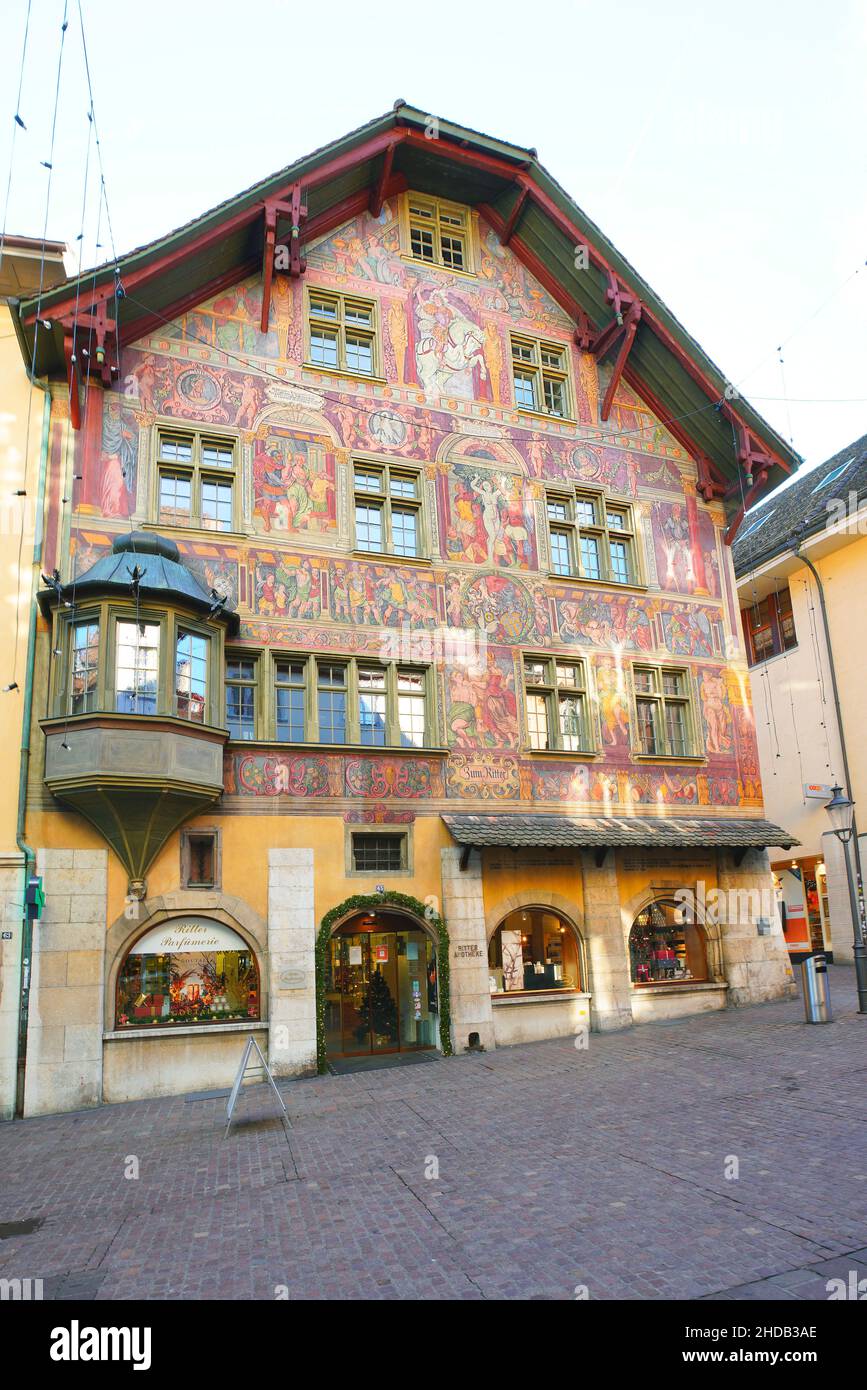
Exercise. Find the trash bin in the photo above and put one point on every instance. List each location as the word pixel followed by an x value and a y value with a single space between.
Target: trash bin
pixel 817 990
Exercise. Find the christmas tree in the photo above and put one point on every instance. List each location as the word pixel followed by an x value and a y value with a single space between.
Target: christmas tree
pixel 378 1010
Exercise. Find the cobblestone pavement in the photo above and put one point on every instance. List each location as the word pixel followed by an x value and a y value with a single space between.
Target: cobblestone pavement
pixel 557 1168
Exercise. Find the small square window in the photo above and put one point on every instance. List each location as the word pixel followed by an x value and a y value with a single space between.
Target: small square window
pixel 378 853
pixel 200 859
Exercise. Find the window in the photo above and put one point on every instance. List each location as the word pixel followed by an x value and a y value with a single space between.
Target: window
pixel 195 481
pixel 342 332
pixel 241 673
pixel 290 686
pixel 187 971
pixel 662 704
pixel 375 853
pixel 387 509
pixel 191 676
pixel 665 948
pixel 591 538
pixel 769 626
pixel 84 662
pixel 534 949
pixel 331 702
pixel 137 667
pixel 556 698
pixel 438 233
pixel 540 372
pixel 376 704
pixel 200 859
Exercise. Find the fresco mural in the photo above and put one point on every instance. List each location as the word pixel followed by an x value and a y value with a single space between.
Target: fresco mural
pixel 446 403
pixel 288 588
pixel 293 483
pixel 481 707
pixel 380 595
pixel 488 518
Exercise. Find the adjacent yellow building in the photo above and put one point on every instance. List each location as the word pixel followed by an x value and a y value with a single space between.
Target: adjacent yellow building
pixel 800 561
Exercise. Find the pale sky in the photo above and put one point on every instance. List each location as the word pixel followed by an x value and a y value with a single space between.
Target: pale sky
pixel 720 147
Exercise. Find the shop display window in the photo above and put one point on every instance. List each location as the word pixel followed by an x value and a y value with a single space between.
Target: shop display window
pixel 665 948
pixel 187 986
pixel 534 949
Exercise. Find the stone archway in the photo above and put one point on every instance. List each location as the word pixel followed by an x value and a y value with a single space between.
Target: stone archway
pixel 427 918
pixel 710 929
pixel 222 907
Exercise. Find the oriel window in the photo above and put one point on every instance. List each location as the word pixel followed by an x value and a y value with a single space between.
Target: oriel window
pixel 137 667
pixel 84 664
pixel 191 676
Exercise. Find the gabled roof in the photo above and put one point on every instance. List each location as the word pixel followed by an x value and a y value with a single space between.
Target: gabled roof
pixel 524 204
pixel 801 509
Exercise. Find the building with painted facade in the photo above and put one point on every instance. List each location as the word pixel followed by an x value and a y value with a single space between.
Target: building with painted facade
pixel 389 684
pixel 798 561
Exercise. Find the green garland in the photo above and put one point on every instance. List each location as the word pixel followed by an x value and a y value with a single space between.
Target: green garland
pixel 364 903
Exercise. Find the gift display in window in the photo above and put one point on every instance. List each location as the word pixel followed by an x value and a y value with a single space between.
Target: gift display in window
pixel 171 987
pixel 664 948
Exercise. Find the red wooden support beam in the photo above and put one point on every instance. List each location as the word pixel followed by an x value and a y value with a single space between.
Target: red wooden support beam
pixel 268 252
pixel 605 339
pixel 512 220
pixel 377 193
pixel 72 379
pixel 633 317
pixel 584 331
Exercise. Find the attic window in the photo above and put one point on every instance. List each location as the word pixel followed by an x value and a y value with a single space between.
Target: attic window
pixel 437 233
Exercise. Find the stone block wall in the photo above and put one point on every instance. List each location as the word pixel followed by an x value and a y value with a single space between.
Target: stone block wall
pixel 64 1045
pixel 757 967
pixel 607 958
pixel 464 912
pixel 291 946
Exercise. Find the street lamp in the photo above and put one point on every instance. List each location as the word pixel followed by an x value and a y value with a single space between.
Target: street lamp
pixel 841 813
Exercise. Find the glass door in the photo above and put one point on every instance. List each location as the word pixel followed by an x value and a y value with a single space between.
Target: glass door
pixel 380 993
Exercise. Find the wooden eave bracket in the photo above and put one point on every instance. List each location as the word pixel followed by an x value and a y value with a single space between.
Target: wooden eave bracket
pixel 296 211
pixel 630 328
pixel 101 351
pixel 466 851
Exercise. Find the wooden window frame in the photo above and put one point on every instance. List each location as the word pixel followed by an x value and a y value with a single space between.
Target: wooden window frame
pixel 351 665
pixel 238 654
pixel 661 700
pixel 189 833
pixel 384 499
pixel 550 692
pixel 601 531
pixel 534 366
pixel 778 613
pixel 440 209
pixel 198 472
pixel 340 326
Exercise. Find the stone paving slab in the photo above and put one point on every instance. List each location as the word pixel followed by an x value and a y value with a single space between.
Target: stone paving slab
pixel 524 1173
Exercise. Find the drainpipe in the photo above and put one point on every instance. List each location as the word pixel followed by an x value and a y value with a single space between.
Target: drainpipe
pixel 857 925
pixel 24 767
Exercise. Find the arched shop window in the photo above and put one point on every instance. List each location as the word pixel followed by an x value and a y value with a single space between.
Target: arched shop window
pixel 665 947
pixel 189 970
pixel 534 949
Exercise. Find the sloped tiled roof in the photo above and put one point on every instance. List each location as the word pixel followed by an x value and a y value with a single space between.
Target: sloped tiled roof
pixel 800 509
pixel 517 830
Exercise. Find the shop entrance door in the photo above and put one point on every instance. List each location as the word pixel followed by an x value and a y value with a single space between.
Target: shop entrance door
pixel 380 990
